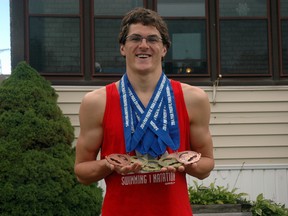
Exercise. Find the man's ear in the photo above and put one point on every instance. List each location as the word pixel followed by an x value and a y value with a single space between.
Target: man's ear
pixel 122 50
pixel 164 51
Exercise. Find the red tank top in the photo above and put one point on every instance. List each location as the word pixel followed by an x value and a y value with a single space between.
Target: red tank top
pixel 143 194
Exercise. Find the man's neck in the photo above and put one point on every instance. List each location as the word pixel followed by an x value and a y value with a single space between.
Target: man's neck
pixel 144 85
pixel 144 82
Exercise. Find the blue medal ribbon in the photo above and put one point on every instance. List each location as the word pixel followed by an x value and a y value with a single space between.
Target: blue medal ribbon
pixel 152 129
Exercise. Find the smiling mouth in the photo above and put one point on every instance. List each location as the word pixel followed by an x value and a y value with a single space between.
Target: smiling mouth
pixel 143 56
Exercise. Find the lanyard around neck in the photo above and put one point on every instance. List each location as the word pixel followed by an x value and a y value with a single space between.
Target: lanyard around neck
pixel 152 129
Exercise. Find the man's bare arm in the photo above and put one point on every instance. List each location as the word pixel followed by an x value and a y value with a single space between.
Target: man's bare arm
pixel 198 108
pixel 87 168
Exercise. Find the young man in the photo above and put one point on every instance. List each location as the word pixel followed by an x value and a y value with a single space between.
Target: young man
pixel 148 115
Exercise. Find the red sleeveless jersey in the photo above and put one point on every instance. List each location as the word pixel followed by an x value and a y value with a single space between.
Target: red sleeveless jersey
pixel 143 194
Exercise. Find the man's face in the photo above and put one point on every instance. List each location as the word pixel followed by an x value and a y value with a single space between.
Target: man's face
pixel 143 49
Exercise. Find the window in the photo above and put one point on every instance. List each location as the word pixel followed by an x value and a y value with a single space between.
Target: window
pixel 107 19
pixel 75 42
pixel 186 22
pixel 54 36
pixel 243 37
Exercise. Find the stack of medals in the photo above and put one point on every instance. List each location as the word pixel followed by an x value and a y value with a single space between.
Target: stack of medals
pixel 175 160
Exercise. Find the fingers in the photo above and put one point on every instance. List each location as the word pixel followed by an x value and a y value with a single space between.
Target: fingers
pixel 181 169
pixel 188 166
pixel 109 165
pixel 134 168
pixel 137 167
pixel 168 169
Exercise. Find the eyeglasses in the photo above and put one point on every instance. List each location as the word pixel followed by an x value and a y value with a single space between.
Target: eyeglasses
pixel 137 39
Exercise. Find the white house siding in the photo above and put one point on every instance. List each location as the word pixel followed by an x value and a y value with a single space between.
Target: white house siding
pixel 249 126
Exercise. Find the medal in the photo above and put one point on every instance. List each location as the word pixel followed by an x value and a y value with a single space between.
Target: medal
pixel 119 159
pixel 169 161
pixel 174 160
pixel 188 157
pixel 139 159
pixel 152 166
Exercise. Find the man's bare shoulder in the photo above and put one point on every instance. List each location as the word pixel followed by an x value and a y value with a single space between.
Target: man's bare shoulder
pixel 197 104
pixel 194 93
pixel 94 100
pixel 95 94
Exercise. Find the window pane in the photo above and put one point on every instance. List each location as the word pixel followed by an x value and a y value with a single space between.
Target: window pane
pixel 243 8
pixel 107 54
pixel 285 46
pixel 180 8
pixel 55 44
pixel 115 7
pixel 54 7
pixel 244 47
pixel 284 8
pixel 187 55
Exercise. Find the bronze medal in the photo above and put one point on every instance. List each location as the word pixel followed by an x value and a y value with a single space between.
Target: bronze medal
pixel 188 157
pixel 119 159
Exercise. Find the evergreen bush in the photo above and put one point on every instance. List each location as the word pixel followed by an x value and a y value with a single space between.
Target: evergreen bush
pixel 36 154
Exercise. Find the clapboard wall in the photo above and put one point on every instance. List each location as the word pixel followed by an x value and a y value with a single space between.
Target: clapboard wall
pixel 249 126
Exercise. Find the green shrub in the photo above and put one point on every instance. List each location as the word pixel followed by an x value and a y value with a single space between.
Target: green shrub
pixel 264 207
pixel 202 195
pixel 36 156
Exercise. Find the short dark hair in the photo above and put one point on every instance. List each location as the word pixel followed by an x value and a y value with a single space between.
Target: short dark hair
pixel 148 18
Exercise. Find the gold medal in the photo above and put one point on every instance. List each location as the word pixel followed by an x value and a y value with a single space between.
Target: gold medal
pixel 169 161
pixel 139 159
pixel 152 166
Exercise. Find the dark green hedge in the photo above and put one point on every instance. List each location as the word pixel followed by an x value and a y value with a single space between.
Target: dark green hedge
pixel 36 156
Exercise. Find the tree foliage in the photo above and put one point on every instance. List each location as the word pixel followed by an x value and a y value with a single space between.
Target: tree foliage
pixel 36 156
